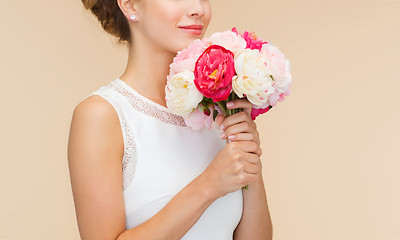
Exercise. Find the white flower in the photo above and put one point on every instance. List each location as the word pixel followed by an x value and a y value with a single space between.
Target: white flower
pixel 253 77
pixel 181 95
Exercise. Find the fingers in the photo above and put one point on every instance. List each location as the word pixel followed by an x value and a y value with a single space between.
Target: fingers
pixel 243 127
pixel 237 118
pixel 251 168
pixel 241 137
pixel 239 123
pixel 219 119
pixel 241 103
pixel 252 158
pixel 247 146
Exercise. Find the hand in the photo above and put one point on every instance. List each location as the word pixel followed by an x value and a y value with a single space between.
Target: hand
pixel 239 126
pixel 235 166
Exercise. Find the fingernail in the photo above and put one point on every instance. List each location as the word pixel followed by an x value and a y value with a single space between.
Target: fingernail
pixel 231 137
pixel 221 127
pixel 229 104
pixel 222 135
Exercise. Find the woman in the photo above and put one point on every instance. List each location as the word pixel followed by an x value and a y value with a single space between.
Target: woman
pixel 137 171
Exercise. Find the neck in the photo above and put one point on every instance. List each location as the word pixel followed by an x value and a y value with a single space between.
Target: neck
pixel 147 70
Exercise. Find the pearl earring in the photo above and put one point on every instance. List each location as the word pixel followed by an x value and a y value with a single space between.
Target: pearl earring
pixel 133 17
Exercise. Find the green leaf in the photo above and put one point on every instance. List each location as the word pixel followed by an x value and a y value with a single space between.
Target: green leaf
pixel 215 114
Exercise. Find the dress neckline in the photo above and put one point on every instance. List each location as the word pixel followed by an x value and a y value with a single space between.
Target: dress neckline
pixel 136 93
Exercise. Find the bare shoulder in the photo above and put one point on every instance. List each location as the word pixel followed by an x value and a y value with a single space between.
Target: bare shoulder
pixel 95 151
pixel 95 106
pixel 95 125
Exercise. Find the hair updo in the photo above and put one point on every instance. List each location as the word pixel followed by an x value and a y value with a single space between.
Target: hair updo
pixel 111 18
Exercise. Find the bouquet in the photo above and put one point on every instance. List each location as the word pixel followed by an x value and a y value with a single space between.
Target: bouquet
pixel 227 65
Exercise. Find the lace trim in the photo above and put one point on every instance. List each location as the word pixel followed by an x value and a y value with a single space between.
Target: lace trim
pixel 130 155
pixel 149 109
pixel 129 159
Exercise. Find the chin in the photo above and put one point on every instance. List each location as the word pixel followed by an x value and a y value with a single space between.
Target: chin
pixel 184 44
pixel 189 41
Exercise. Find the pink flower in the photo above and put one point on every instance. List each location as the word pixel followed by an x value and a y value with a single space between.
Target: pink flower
pixel 196 119
pixel 257 111
pixel 251 39
pixel 279 96
pixel 186 59
pixel 278 65
pixel 214 71
pixel 273 98
pixel 286 92
pixel 228 40
pixel 202 117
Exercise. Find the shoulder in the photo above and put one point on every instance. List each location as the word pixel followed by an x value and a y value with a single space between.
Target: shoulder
pixel 96 110
pixel 94 106
pixel 95 123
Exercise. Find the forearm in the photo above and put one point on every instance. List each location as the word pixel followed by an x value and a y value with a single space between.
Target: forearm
pixel 176 218
pixel 256 221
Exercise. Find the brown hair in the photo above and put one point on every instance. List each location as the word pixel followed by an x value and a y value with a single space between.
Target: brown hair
pixel 111 18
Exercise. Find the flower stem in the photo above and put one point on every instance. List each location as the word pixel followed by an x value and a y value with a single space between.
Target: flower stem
pixel 222 105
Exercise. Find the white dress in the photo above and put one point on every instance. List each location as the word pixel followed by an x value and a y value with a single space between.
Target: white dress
pixel 161 156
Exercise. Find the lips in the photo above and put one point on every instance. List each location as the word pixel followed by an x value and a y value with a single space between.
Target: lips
pixel 195 27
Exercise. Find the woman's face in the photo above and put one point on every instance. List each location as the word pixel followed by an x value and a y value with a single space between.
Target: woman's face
pixel 164 21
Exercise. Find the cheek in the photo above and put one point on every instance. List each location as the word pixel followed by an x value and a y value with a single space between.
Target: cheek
pixel 167 13
pixel 208 13
pixel 161 23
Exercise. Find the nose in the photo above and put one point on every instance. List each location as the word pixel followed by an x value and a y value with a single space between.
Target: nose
pixel 196 8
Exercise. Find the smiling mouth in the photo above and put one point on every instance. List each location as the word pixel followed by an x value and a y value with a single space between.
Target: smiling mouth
pixel 193 26
pixel 192 30
pixel 195 29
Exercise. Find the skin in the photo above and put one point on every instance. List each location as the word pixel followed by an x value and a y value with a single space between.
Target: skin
pixel 96 145
pixel 157 39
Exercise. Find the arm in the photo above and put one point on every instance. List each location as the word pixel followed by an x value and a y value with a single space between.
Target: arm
pixel 95 151
pixel 256 221
pixel 177 217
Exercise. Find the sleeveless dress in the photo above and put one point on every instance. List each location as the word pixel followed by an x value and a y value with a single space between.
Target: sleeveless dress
pixel 161 156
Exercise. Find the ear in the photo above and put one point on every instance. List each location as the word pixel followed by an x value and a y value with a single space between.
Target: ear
pixel 129 7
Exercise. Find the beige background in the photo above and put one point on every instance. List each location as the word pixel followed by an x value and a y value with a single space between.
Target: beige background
pixel 330 151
